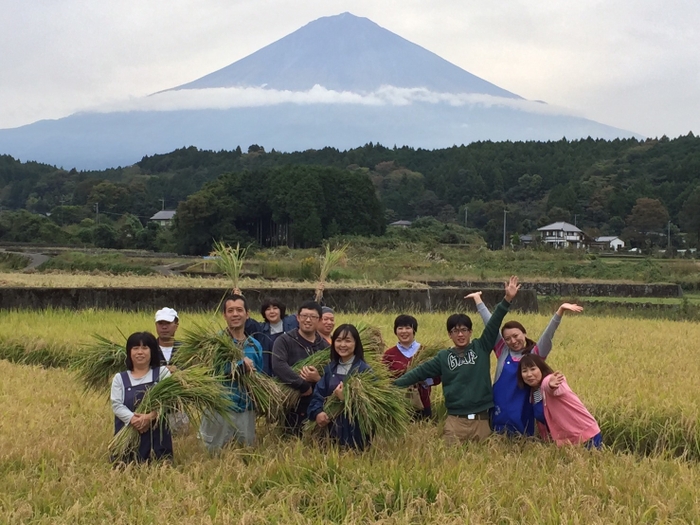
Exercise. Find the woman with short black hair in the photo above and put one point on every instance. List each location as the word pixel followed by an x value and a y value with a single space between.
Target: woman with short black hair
pixel 143 370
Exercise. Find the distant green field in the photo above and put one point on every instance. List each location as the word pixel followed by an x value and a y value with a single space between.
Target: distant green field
pixel 692 298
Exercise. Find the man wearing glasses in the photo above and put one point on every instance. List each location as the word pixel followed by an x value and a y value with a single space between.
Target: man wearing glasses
pixel 291 347
pixel 465 372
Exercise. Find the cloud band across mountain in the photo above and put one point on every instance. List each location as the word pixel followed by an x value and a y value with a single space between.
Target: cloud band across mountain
pixel 241 97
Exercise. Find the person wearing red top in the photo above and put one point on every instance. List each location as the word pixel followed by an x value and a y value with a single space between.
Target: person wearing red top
pixel 397 358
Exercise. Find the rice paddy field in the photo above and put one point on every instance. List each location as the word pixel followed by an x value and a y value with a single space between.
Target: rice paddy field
pixel 639 377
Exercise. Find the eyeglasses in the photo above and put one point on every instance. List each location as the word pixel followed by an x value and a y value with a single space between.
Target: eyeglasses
pixel 459 331
pixel 307 317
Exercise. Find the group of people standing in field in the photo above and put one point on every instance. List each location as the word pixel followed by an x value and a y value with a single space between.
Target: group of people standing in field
pixel 526 397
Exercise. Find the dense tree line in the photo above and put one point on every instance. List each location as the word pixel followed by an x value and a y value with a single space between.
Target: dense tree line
pixel 594 183
pixel 267 207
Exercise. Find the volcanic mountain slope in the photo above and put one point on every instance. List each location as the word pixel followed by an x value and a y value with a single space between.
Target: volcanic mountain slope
pixel 346 53
pixel 339 81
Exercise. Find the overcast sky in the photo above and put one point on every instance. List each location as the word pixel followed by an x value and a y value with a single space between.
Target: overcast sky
pixel 633 64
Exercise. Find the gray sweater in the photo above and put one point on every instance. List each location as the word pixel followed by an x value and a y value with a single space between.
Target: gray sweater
pixel 289 348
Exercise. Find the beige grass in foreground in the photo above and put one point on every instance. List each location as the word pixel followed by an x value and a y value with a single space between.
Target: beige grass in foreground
pixel 55 471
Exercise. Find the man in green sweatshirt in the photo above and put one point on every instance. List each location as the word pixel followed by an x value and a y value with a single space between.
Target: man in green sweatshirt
pixel 465 370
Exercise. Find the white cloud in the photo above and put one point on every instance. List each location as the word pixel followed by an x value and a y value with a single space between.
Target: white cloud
pixel 239 97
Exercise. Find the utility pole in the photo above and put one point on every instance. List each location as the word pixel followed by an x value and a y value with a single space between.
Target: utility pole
pixel 669 237
pixel 162 204
pixel 466 211
pixel 504 227
pixel 575 219
pixel 97 213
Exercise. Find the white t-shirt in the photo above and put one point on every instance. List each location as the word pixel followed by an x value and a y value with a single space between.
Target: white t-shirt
pixel 167 352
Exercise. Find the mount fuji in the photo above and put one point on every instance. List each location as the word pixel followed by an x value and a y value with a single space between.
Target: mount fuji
pixel 339 81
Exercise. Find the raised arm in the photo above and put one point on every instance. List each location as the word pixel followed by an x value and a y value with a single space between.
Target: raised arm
pixel 428 369
pixel 492 330
pixel 544 344
pixel 253 327
pixel 555 384
pixel 483 311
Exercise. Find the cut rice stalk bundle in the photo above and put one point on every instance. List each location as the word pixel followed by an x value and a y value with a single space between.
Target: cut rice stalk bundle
pixel 425 353
pixel 271 398
pixel 208 346
pixel 193 391
pixel 319 360
pixel 211 347
pixel 229 260
pixel 372 403
pixel 99 362
pixel 329 261
pixel 371 337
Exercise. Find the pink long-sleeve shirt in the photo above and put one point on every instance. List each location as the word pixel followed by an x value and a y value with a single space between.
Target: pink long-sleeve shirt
pixel 568 420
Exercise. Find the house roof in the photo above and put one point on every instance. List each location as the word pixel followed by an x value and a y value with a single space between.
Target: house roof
pixel 607 238
pixel 164 215
pixel 560 226
pixel 401 223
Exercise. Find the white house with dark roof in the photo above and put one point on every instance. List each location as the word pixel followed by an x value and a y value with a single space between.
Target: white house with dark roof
pixel 562 235
pixel 164 217
pixel 610 242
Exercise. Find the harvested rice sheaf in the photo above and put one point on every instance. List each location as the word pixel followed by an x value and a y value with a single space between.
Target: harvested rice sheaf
pixel 229 260
pixel 193 391
pixel 373 404
pixel 211 347
pixel 99 362
pixel 329 261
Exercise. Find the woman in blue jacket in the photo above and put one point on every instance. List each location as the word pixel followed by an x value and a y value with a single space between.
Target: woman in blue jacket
pixel 276 323
pixel 347 357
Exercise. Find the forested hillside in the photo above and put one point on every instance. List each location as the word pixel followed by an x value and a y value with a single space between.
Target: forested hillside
pixel 595 183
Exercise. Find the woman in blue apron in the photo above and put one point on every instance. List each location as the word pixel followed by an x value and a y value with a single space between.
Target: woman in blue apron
pixel 129 387
pixel 512 412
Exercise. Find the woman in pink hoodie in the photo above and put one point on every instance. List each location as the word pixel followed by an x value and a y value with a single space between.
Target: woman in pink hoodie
pixel 558 411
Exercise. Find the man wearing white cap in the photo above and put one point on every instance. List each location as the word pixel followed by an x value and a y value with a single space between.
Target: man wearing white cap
pixel 167 323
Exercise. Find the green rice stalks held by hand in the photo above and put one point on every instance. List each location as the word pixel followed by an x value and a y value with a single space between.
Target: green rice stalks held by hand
pixel 271 398
pixel 425 353
pixel 329 261
pixel 211 347
pixel 373 404
pixel 229 260
pixel 207 345
pixel 318 360
pixel 194 391
pixel 99 362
